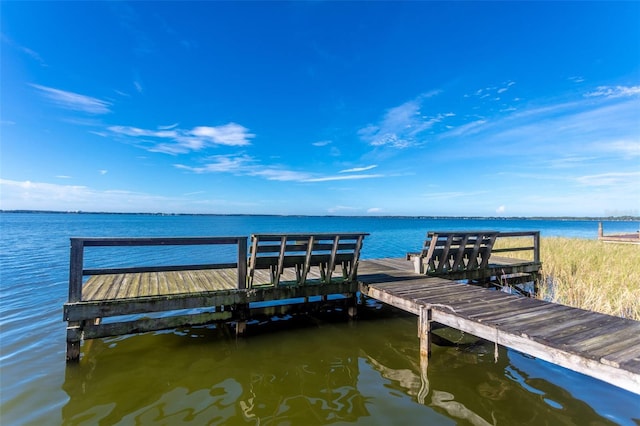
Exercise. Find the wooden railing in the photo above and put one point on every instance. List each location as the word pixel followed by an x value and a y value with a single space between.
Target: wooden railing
pixel 534 247
pixel 77 271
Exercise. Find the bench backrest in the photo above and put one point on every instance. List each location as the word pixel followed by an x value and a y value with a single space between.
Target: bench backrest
pixel 304 251
pixel 456 251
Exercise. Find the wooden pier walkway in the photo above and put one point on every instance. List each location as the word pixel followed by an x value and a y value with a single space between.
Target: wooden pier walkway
pixel 598 345
pixel 286 273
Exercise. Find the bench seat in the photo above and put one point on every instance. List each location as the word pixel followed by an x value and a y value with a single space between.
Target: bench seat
pixel 325 251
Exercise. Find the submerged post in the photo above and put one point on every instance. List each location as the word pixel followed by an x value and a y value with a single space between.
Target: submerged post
pixel 424 331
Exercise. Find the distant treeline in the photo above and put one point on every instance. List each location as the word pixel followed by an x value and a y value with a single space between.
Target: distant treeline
pixel 603 218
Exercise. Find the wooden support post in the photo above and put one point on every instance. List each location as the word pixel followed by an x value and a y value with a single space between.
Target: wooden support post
pixel 73 341
pixel 424 331
pixel 74 330
pixel 352 309
pixel 242 315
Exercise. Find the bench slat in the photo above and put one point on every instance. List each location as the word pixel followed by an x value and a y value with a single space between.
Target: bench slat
pixel 277 252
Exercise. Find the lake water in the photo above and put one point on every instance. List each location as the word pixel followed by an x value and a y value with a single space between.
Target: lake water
pixel 302 371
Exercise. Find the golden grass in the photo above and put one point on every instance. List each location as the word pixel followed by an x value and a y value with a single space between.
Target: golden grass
pixel 587 274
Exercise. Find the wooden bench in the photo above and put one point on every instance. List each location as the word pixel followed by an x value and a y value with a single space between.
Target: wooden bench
pixel 276 252
pixel 447 252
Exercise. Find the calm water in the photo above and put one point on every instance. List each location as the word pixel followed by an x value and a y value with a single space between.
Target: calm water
pixel 306 371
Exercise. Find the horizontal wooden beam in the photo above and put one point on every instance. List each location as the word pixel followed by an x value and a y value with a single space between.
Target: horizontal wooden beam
pixel 144 325
pixel 168 268
pixel 155 241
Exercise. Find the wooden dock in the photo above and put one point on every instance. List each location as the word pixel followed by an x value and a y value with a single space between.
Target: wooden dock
pixel 288 273
pixel 598 345
pixel 630 238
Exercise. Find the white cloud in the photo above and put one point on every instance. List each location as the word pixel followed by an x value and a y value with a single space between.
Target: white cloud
pixel 169 127
pixel 103 172
pixel 245 165
pixel 614 91
pixel 231 134
pixel 466 129
pixel 222 163
pixel 182 141
pixel 402 126
pixel 30 52
pixel 501 209
pixel 321 143
pixel 28 195
pixel 137 132
pixel 611 179
pixel 63 177
pixel 359 169
pixel 344 177
pixel 374 210
pixel 74 101
pixel 281 175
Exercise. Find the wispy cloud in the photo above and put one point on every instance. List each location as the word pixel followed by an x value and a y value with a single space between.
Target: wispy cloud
pixel 402 126
pixel 343 177
pixel 321 143
pixel 48 196
pixel 173 140
pixel 466 129
pixel 281 175
pixel 222 164
pixel 29 52
pixel 614 91
pixel 610 179
pixel 245 165
pixel 74 101
pixel 359 169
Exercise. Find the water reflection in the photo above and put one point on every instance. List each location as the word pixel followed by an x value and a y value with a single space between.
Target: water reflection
pixel 366 372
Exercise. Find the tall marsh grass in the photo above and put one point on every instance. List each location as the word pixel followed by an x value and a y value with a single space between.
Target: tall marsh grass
pixel 587 274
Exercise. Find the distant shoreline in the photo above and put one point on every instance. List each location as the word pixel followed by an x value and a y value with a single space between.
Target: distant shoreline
pixel 559 218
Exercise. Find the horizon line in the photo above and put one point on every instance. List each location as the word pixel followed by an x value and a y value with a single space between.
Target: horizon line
pixel 625 217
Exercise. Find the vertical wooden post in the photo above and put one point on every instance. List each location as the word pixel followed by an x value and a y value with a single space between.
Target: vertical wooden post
pixel 242 263
pixel 424 331
pixel 536 246
pixel 75 269
pixel 352 309
pixel 76 264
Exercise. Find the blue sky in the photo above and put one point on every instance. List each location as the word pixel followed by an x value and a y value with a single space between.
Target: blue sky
pixel 340 108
